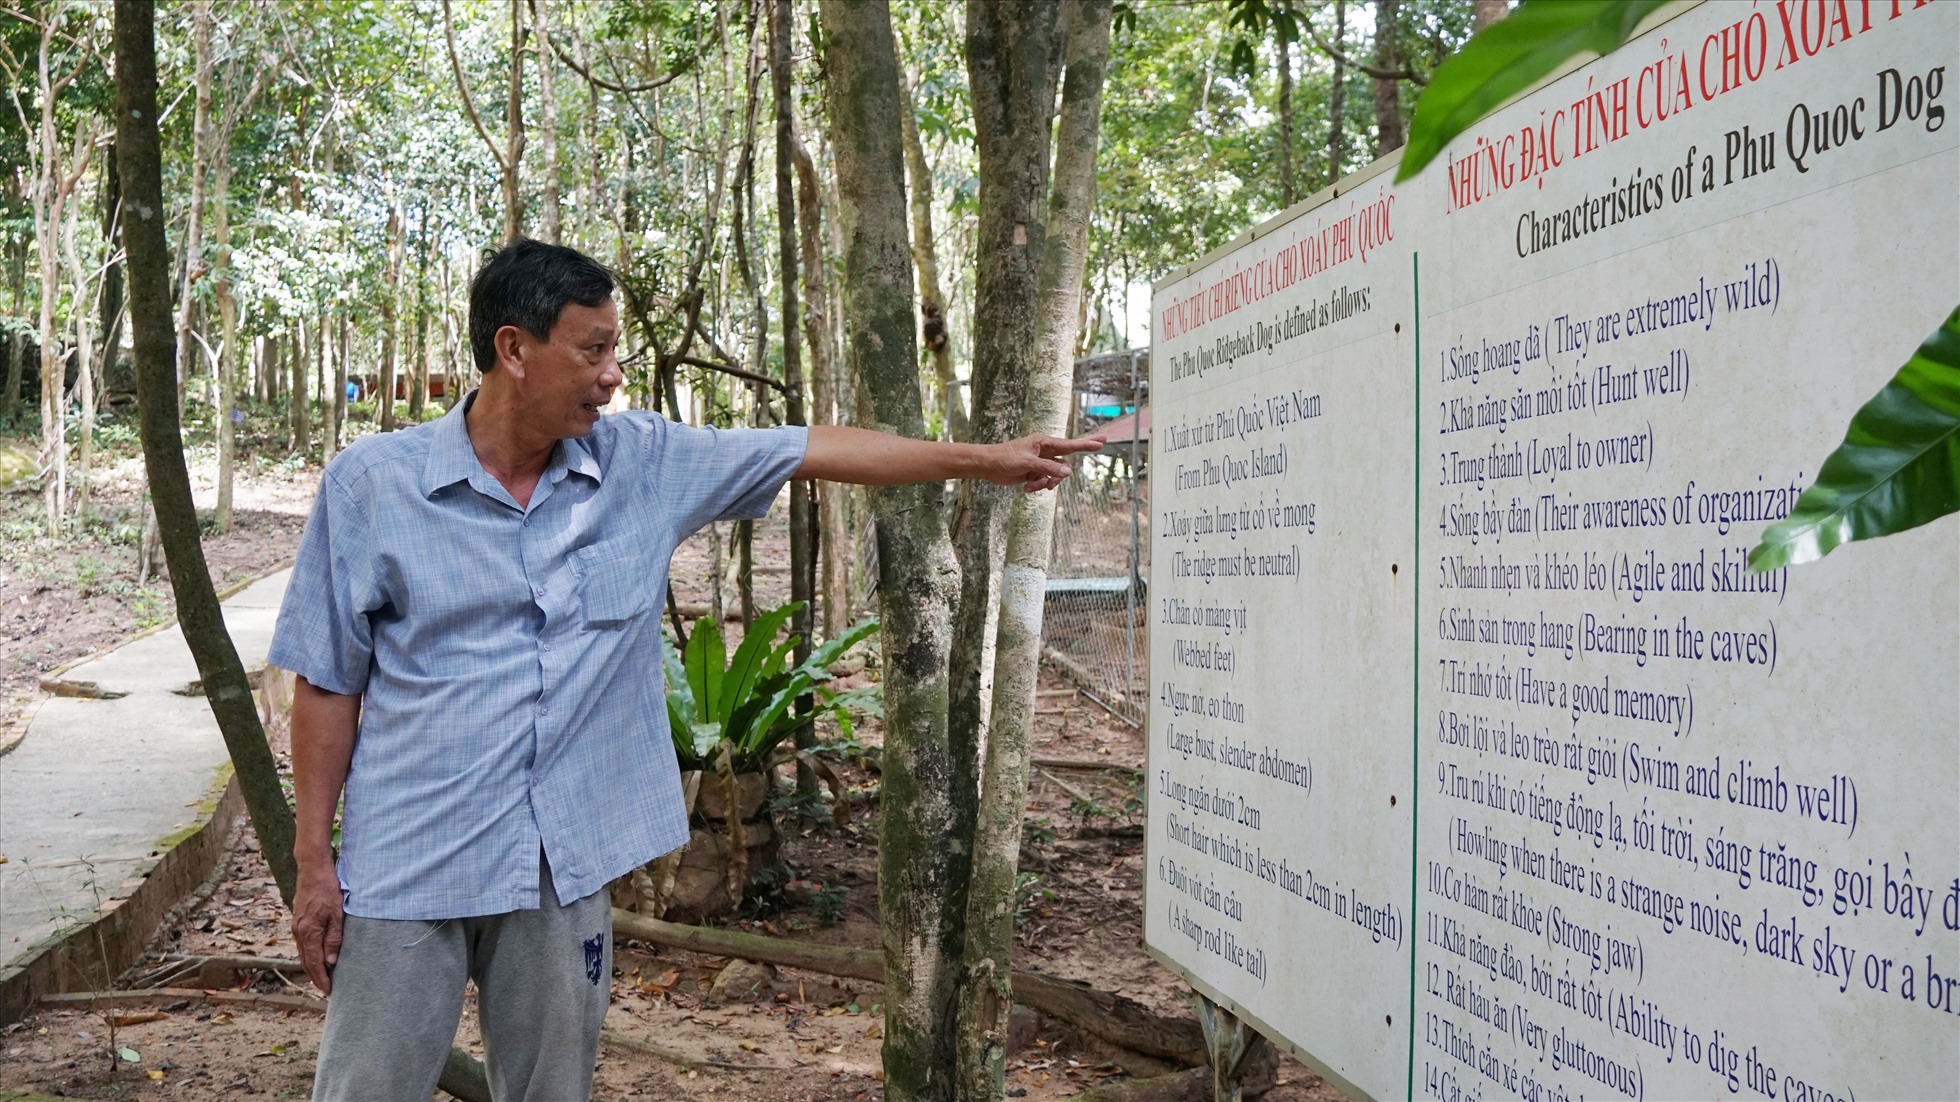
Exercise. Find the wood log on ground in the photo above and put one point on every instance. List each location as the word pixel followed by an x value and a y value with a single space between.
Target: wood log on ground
pixel 97 1000
pixel 1113 1018
pixel 1084 764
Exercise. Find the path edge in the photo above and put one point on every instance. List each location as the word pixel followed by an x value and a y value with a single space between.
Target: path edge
pixel 90 955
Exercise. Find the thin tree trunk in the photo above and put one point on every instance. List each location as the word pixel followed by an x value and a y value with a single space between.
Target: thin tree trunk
pixel 53 187
pixel 932 304
pixel 547 124
pixel 987 992
pixel 823 387
pixel 1388 92
pixel 1337 97
pixel 333 401
pixel 225 683
pixel 80 307
pixel 1014 60
pixel 111 297
pixel 1485 12
pixel 514 140
pixel 1283 50
pixel 16 347
pixel 759 326
pixel 390 319
pixel 802 561
pixel 227 411
pixel 297 435
pixel 193 246
pixel 418 386
pixel 917 569
pixel 343 368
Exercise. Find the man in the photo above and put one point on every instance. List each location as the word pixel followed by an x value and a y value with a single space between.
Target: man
pixel 472 617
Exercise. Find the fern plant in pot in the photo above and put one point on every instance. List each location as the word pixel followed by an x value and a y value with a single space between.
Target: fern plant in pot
pixel 731 715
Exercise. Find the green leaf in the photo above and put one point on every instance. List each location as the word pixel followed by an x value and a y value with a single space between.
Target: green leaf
pixel 129 1055
pixel 1507 57
pixel 753 654
pixel 830 650
pixel 707 664
pixel 1898 468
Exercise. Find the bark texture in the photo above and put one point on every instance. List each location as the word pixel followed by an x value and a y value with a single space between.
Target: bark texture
pixel 918 574
pixel 1389 129
pixel 1013 60
pixel 987 988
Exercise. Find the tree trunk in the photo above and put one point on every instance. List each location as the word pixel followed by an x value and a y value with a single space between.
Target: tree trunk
pixel 917 569
pixel 1283 51
pixel 80 307
pixel 111 297
pixel 16 347
pixel 987 992
pixel 823 387
pixel 227 411
pixel 225 683
pixel 418 386
pixel 52 189
pixel 802 561
pixel 514 141
pixel 1337 98
pixel 1485 12
pixel 1014 60
pixel 384 402
pixel 333 400
pixel 932 304
pixel 193 246
pixel 297 435
pixel 547 124
pixel 1388 92
pixel 343 368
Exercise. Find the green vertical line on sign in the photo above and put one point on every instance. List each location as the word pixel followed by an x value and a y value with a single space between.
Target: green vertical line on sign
pixel 1415 669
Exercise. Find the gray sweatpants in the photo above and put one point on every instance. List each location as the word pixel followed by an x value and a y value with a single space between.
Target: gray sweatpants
pixel 543 980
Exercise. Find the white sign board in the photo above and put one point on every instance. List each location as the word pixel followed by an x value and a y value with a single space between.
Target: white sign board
pixel 1589 810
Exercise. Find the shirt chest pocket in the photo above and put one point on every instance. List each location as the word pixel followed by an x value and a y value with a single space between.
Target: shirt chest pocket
pixel 614 586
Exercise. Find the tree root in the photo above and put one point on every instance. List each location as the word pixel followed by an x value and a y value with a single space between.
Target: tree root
pixel 1112 1018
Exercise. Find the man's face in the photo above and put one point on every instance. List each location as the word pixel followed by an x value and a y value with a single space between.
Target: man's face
pixel 570 376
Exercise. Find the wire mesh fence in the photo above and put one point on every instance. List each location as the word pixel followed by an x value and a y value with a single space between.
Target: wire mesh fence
pixel 1095 621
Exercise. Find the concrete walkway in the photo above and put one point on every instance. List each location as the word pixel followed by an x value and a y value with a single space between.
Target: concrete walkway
pixel 103 785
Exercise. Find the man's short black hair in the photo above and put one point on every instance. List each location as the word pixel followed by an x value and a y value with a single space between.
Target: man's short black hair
pixel 527 284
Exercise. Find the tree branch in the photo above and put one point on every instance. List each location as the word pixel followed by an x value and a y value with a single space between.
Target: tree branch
pixel 1374 71
pixel 731 369
pixel 463 88
pixel 596 81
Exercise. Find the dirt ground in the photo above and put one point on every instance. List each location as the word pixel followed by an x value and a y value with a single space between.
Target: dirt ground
pixel 64 599
pixel 805 1036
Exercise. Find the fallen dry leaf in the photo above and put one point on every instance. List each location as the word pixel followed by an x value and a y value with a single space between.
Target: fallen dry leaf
pixel 138 1018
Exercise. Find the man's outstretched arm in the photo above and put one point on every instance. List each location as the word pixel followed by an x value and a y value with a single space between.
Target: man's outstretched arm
pixel 838 453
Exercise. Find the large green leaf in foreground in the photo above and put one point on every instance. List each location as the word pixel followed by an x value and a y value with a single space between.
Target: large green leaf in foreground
pixel 1898 468
pixel 1507 57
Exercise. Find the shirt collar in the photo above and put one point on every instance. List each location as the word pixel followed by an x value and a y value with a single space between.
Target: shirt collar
pixel 452 460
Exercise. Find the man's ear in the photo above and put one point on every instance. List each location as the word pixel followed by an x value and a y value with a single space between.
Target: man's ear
pixel 511 344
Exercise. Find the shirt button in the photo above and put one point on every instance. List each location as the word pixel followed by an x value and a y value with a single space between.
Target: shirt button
pixel 527 522
pixel 544 709
pixel 547 646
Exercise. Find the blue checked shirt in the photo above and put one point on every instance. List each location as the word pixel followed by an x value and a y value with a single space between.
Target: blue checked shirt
pixel 508 658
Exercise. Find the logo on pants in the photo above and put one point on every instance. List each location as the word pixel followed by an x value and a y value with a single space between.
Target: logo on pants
pixel 595 954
